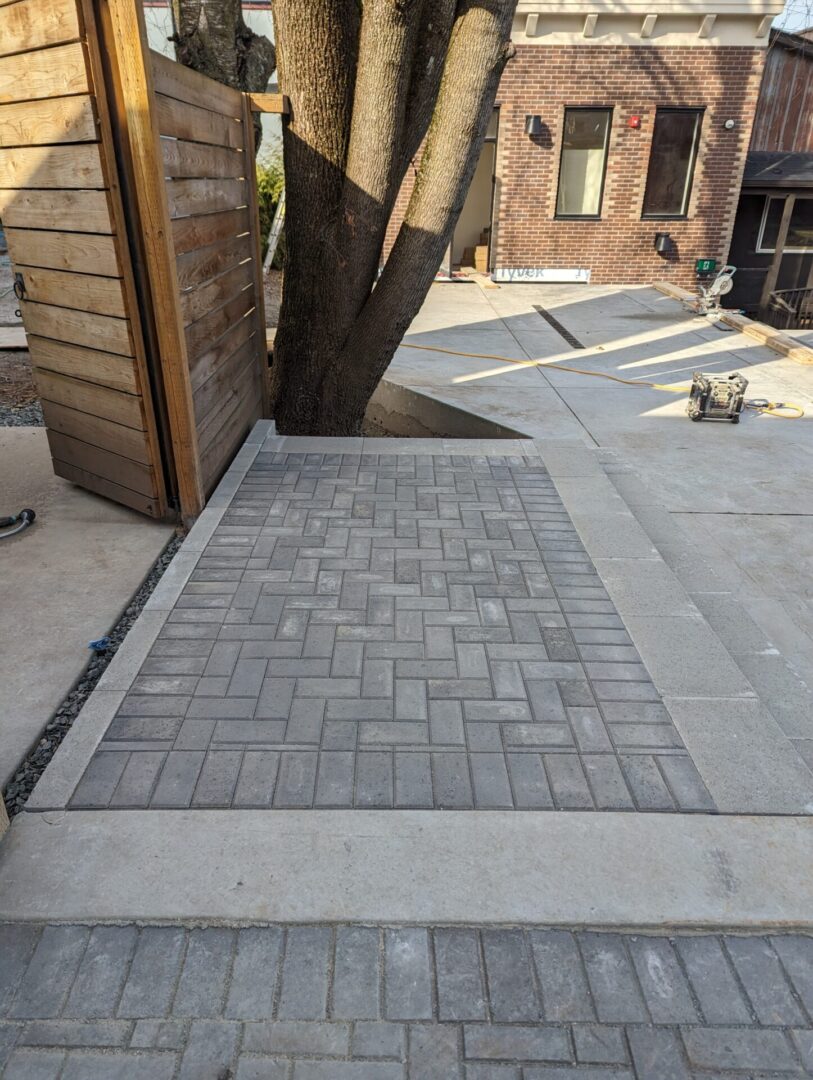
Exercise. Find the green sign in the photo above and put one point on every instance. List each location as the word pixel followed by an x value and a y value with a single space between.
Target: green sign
pixel 705 266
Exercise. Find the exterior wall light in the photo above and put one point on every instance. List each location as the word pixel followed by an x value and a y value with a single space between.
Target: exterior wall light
pixel 729 125
pixel 534 126
pixel 663 243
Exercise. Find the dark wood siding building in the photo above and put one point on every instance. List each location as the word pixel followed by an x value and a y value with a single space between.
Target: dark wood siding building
pixel 772 242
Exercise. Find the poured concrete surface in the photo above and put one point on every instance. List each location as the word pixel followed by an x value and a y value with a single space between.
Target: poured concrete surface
pixel 63 582
pixel 576 869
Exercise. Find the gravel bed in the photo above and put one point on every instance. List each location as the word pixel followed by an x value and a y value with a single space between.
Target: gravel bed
pixel 22 783
pixel 22 416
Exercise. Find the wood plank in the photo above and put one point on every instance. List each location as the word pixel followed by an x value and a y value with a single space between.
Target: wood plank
pixel 208 363
pixel 196 267
pixel 177 81
pixel 78 327
pixel 203 333
pixel 55 120
pixel 31 24
pixel 117 372
pixel 127 441
pixel 52 167
pixel 113 467
pixel 136 100
pixel 192 197
pixel 117 492
pixel 270 103
pixel 191 233
pixel 64 251
pixel 200 301
pixel 187 159
pixel 237 391
pixel 124 409
pixel 13 338
pixel 258 279
pixel 227 441
pixel 44 74
pixel 217 391
pixel 68 211
pixel 85 292
pixel 182 121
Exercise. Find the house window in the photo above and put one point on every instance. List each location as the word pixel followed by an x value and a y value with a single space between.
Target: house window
pixel 800 231
pixel 671 162
pixel 583 162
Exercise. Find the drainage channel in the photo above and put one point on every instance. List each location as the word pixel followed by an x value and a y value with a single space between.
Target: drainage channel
pixel 572 341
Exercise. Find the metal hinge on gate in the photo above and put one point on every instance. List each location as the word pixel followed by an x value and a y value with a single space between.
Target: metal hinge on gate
pixel 19 291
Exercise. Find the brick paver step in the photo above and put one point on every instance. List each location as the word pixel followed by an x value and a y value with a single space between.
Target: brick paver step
pixel 400 1003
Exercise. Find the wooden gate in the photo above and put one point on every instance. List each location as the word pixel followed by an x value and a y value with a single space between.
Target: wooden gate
pixel 128 193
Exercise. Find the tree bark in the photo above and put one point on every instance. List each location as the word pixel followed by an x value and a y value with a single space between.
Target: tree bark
pixel 368 83
pixel 212 37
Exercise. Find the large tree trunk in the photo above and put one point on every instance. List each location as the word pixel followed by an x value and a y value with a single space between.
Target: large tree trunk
pixel 212 37
pixel 369 83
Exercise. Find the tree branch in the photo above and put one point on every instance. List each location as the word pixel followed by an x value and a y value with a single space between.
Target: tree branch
pixel 437 20
pixel 478 51
pixel 389 29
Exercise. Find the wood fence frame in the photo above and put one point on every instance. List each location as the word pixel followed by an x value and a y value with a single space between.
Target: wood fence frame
pixel 84 131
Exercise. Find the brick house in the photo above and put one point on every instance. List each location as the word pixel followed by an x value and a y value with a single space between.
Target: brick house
pixel 617 127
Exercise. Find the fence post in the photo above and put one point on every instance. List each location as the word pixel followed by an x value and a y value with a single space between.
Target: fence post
pixel 128 42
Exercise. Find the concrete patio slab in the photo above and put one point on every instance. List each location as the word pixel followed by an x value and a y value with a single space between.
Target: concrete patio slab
pixel 491 867
pixel 64 582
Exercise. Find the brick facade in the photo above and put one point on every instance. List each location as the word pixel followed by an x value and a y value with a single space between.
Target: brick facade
pixel 634 80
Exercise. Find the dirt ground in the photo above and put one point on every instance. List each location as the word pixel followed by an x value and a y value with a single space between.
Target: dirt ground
pixel 16 384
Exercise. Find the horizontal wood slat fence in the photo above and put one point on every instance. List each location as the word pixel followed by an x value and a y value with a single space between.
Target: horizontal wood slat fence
pixel 128 197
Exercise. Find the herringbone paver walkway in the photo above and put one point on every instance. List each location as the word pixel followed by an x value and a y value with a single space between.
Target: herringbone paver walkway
pixel 394 630
pixel 407 1003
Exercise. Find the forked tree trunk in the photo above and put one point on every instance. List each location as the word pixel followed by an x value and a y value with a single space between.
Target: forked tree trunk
pixel 369 82
pixel 212 37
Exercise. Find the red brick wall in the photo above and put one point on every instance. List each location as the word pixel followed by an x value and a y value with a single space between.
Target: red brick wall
pixel 634 80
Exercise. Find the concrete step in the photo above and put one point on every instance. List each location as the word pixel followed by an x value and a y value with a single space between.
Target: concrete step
pixel 406 866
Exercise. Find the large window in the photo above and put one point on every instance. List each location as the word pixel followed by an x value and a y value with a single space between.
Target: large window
pixel 671 162
pixel 800 231
pixel 583 162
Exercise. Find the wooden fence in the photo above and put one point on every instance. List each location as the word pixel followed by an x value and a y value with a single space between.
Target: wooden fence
pixel 128 193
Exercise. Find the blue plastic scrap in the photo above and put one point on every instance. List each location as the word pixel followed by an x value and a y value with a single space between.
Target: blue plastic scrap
pixel 100 644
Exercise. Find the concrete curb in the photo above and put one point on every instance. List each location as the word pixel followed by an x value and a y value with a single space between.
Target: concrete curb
pixel 765 335
pixel 55 786
pixel 366 866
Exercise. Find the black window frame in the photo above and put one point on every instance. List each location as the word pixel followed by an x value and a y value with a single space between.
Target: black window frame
pixel 608 109
pixel 698 111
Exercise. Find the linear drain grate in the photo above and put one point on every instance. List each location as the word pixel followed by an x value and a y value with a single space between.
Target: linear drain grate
pixel 572 341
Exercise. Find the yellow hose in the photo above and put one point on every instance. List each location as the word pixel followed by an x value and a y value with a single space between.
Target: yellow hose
pixel 772 408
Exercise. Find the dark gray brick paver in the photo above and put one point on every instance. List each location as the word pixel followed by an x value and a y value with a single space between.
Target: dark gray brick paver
pixel 394 631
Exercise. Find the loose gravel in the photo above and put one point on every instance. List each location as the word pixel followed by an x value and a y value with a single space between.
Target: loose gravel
pixel 22 783
pixel 22 416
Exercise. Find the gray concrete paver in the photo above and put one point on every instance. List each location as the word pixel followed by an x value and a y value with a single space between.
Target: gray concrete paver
pixel 393 630
pixel 415 1002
